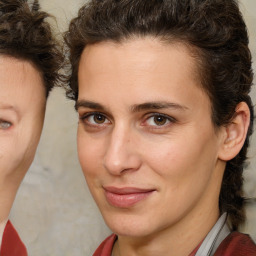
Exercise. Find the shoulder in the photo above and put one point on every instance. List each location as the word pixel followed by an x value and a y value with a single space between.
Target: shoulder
pixel 11 242
pixel 237 244
pixel 106 246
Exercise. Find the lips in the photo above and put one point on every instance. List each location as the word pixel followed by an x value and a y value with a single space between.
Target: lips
pixel 126 197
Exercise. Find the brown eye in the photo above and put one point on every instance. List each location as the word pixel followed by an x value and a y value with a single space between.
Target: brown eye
pixel 95 119
pixel 160 120
pixel 157 120
pixel 99 119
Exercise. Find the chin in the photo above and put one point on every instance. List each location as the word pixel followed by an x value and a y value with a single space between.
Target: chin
pixel 129 225
pixel 133 232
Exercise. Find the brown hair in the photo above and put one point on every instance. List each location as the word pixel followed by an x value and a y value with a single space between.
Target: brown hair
pixel 213 28
pixel 24 34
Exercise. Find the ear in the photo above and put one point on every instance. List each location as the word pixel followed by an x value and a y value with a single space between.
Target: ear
pixel 235 133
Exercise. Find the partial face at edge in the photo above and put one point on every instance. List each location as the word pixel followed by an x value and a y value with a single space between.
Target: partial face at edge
pixel 22 108
pixel 146 142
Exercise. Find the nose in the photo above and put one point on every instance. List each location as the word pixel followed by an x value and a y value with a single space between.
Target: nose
pixel 122 152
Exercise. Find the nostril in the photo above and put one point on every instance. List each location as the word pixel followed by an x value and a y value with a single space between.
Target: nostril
pixel 121 162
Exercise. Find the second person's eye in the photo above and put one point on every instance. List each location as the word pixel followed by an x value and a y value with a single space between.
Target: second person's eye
pixel 4 125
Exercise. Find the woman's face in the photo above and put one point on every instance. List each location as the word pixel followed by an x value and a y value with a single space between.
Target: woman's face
pixel 146 142
pixel 22 107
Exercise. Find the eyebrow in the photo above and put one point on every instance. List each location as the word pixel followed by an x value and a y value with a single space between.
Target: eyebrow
pixel 135 108
pixel 12 108
pixel 88 104
pixel 8 107
pixel 157 105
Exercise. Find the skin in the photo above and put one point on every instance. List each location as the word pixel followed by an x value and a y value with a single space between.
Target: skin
pixel 122 144
pixel 22 109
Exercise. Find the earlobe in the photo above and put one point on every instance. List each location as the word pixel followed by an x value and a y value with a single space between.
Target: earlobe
pixel 235 133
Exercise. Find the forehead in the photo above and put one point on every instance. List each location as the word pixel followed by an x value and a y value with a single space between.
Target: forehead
pixel 21 84
pixel 138 58
pixel 24 70
pixel 142 52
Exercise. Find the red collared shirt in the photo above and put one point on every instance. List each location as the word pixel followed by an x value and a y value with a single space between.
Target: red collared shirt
pixel 105 249
pixel 235 244
pixel 11 242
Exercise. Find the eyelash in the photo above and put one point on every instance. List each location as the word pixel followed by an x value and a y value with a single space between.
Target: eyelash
pixel 168 120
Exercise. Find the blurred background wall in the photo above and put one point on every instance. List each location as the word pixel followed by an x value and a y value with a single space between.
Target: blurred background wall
pixel 53 211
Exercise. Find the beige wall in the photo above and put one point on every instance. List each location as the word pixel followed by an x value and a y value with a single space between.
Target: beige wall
pixel 53 211
pixel 248 7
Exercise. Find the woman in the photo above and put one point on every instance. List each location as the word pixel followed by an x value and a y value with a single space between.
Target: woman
pixel 162 92
pixel 30 61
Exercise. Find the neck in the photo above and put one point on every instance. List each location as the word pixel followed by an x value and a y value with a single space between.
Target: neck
pixel 8 189
pixel 2 227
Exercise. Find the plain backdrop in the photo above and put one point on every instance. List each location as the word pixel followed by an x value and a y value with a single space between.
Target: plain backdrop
pixel 53 211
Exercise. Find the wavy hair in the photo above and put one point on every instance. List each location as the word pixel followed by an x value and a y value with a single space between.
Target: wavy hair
pixel 25 34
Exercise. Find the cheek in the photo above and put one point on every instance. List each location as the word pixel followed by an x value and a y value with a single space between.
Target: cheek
pixel 7 148
pixel 12 152
pixel 89 154
pixel 182 162
pixel 90 158
pixel 31 131
pixel 164 157
pixel 19 146
pixel 183 173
